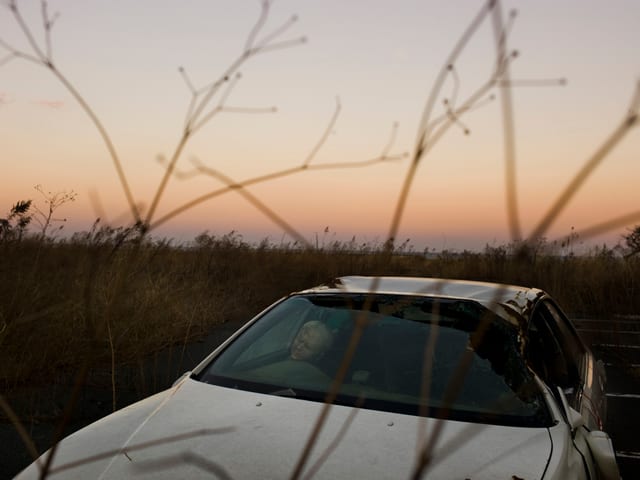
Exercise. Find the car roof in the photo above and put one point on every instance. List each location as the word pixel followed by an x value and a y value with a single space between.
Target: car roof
pixel 500 298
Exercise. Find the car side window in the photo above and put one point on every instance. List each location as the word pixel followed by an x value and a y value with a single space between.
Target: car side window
pixel 553 351
pixel 570 343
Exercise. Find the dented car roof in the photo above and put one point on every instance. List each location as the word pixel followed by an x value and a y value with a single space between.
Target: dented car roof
pixel 511 302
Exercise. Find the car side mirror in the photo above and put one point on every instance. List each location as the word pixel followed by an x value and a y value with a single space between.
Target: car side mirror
pixel 600 445
pixel 574 418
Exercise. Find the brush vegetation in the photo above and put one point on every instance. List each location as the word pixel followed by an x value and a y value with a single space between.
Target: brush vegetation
pixel 109 299
pixel 95 307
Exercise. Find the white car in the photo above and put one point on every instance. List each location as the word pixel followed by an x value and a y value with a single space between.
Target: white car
pixel 371 377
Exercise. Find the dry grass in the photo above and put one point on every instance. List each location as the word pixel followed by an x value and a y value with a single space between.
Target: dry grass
pixel 93 308
pixel 153 295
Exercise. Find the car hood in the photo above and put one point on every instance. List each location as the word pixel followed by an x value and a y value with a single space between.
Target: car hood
pixel 198 430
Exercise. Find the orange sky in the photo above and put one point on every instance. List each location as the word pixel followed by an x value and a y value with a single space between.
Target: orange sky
pixel 381 59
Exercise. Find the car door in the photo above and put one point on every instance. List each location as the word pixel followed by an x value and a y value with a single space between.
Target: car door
pixel 559 357
pixel 561 360
pixel 589 398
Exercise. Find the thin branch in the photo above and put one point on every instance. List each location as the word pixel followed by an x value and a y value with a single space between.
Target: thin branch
pixel 22 432
pixel 337 439
pixel 165 178
pixel 179 174
pixel 47 23
pixel 222 108
pixel 189 458
pixel 247 53
pixel 279 46
pixel 253 200
pixel 427 368
pixel 360 324
pixel 603 227
pixel 106 139
pixel 230 86
pixel 336 383
pixel 215 84
pixel 456 86
pixel 28 35
pixel 455 120
pixel 473 100
pixel 13 52
pixel 249 110
pixel 543 82
pixel 45 60
pixel 80 379
pixel 453 388
pixel 187 80
pixel 6 59
pixel 392 140
pixel 142 446
pixel 194 97
pixel 195 120
pixel 465 108
pixel 277 32
pixel 267 177
pixel 500 34
pixel 264 13
pixel 325 135
pixel 629 121
pixel 424 128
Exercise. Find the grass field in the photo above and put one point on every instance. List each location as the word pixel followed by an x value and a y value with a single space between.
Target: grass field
pixel 116 317
pixel 117 303
pixel 100 308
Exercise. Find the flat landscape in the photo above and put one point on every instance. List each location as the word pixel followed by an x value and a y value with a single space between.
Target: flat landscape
pixel 126 319
pixel 150 121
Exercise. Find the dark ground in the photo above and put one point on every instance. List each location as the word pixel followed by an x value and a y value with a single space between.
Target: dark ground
pixel 160 372
pixel 619 348
pixel 618 345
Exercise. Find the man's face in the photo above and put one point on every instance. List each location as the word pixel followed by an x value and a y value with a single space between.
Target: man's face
pixel 306 345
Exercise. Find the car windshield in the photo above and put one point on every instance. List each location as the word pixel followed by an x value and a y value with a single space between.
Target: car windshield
pixel 416 355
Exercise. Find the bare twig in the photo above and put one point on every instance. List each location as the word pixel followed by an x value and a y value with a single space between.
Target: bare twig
pixel 264 13
pixel 629 121
pixel 22 432
pixel 196 116
pixel 142 446
pixel 305 166
pixel 603 227
pixel 323 138
pixel 336 440
pixel 42 58
pixel 253 200
pixel 423 139
pixel 338 380
pixel 221 107
pixel 500 34
pixel 188 458
pixel 452 390
pixel 54 200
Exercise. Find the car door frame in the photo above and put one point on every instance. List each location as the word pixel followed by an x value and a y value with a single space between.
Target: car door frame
pixel 588 393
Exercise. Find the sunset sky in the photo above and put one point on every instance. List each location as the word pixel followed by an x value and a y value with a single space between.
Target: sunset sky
pixel 380 58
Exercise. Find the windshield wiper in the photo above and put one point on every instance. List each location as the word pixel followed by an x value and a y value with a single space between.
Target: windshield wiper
pixel 284 393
